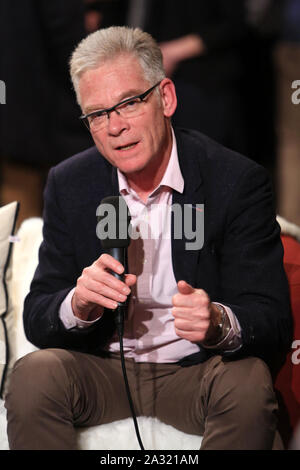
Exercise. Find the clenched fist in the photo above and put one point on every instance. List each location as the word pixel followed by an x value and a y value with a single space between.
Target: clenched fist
pixel 197 319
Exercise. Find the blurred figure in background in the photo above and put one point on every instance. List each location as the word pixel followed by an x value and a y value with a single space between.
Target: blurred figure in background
pixel 287 59
pixel 39 123
pixel 201 45
pixel 273 115
pixel 105 13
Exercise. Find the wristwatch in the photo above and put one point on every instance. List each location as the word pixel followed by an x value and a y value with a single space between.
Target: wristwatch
pixel 222 323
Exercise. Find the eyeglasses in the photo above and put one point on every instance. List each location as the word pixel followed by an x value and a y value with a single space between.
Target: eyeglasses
pixel 131 107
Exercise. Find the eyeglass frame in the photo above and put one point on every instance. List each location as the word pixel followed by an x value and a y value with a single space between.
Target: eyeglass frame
pixel 107 111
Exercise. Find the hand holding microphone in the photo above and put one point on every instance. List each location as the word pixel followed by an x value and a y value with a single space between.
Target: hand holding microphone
pixel 97 288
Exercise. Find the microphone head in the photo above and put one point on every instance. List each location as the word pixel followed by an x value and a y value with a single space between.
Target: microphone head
pixel 113 222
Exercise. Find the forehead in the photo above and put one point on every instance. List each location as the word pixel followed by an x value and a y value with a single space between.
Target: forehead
pixel 111 82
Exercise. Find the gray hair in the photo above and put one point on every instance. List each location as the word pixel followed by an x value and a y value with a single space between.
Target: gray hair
pixel 106 44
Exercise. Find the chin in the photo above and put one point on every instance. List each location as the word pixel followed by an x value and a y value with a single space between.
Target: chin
pixel 131 167
pixel 131 170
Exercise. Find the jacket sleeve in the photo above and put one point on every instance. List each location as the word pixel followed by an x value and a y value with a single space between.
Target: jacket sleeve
pixel 55 276
pixel 253 281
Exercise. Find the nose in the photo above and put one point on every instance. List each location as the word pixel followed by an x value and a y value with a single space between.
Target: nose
pixel 115 123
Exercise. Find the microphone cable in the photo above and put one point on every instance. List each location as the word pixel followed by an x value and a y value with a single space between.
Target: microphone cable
pixel 119 321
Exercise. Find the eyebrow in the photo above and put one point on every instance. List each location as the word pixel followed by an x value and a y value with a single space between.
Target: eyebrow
pixel 127 94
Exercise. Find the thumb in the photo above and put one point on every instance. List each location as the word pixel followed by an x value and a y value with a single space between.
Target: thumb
pixel 130 279
pixel 185 288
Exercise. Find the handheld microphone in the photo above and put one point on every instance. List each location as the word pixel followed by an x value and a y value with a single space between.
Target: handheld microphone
pixel 113 230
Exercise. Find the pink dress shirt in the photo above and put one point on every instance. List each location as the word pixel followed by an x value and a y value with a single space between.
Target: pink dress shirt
pixel 149 334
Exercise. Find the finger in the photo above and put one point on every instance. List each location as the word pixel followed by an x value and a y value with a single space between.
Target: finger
pixel 192 336
pixel 182 324
pixel 181 299
pixel 95 274
pixel 107 262
pixel 185 301
pixel 104 302
pixel 108 291
pixel 192 314
pixel 86 297
pixel 197 300
pixel 130 279
pixel 185 288
pixel 87 288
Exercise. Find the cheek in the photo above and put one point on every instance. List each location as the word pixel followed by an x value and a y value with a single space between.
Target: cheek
pixel 104 149
pixel 157 134
pixel 101 144
pixel 154 131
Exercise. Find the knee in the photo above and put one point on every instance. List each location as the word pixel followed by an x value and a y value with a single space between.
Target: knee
pixel 255 374
pixel 39 365
pixel 250 382
pixel 37 375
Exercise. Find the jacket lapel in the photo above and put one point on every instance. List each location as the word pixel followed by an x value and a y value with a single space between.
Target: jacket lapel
pixel 185 260
pixel 103 184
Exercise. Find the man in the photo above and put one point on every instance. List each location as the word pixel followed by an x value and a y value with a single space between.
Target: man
pixel 200 321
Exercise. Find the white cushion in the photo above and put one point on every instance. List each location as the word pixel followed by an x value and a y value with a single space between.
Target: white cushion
pixel 3 435
pixel 120 435
pixel 24 263
pixel 8 215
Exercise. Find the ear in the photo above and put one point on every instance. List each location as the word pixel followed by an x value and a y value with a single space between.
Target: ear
pixel 168 97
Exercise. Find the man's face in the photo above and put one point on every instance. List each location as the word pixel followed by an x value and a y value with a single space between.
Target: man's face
pixel 136 143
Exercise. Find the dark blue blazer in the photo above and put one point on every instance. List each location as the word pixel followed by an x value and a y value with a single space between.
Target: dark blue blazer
pixel 240 263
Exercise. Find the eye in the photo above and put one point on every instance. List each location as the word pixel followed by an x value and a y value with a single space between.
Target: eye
pixel 96 118
pixel 129 106
pixel 132 103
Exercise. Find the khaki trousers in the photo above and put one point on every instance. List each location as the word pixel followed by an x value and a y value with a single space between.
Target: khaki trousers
pixel 53 391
